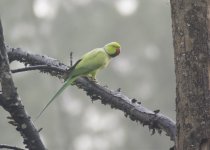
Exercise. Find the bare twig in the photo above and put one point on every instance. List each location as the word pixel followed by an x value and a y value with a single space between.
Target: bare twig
pixel 71 58
pixel 38 67
pixel 3 146
pixel 10 101
pixel 116 99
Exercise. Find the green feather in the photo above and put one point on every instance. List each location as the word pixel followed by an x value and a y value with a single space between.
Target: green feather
pixel 65 85
pixel 88 65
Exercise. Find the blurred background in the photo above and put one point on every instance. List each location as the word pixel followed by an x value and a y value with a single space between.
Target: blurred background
pixel 144 70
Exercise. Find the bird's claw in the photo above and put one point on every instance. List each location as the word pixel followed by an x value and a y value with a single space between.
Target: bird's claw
pixel 91 79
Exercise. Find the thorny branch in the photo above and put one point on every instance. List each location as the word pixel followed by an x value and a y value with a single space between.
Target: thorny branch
pixel 116 99
pixel 10 101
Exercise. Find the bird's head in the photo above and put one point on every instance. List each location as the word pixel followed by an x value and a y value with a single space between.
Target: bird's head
pixel 112 49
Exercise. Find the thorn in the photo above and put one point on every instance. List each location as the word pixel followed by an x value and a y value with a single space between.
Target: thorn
pixel 40 129
pixel 153 131
pixel 9 117
pixel 156 111
pixel 133 100
pixel 132 118
pixel 13 123
pixel 71 59
pixel 94 97
pixel 159 131
pixel 139 103
pixel 126 115
pixel 144 123
pixel 119 90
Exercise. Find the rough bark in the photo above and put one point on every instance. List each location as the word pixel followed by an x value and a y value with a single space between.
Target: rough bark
pixel 116 99
pixel 190 34
pixel 10 101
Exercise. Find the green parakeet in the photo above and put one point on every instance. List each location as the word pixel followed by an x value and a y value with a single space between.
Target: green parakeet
pixel 88 66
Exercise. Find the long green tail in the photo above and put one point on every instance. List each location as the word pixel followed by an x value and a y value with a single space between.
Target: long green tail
pixel 66 83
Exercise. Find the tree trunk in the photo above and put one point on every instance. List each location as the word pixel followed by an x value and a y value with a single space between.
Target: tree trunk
pixel 190 35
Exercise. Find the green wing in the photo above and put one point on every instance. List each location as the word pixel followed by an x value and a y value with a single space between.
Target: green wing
pixel 90 62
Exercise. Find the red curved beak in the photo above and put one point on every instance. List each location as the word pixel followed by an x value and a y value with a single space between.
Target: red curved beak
pixel 118 51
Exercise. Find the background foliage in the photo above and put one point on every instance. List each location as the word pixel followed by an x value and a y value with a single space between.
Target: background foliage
pixel 144 70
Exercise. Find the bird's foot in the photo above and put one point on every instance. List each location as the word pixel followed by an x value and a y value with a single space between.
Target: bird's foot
pixel 93 79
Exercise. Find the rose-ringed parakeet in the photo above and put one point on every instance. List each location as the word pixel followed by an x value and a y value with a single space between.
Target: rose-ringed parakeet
pixel 88 66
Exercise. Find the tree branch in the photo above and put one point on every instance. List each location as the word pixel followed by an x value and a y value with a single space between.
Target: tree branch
pixel 116 99
pixel 10 147
pixel 38 67
pixel 10 101
pixel 16 54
